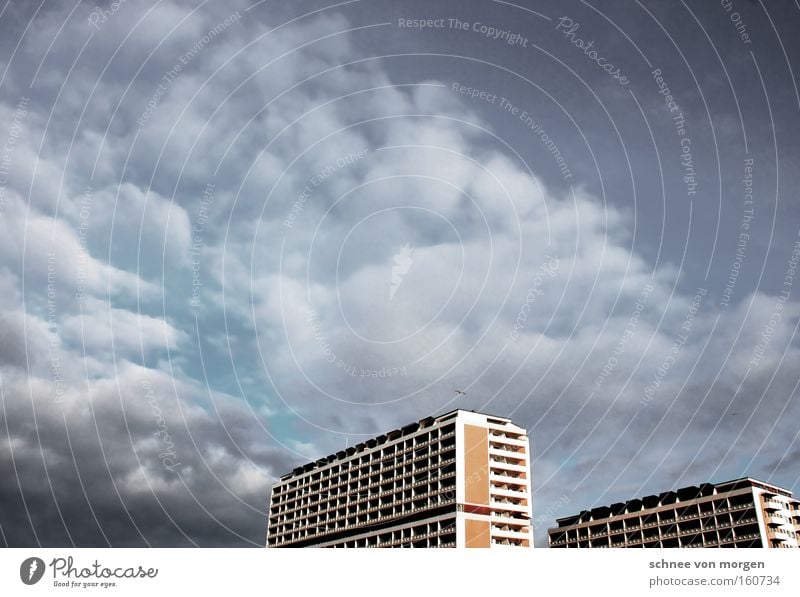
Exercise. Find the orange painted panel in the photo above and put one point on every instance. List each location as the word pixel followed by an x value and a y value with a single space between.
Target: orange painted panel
pixel 476 465
pixel 477 533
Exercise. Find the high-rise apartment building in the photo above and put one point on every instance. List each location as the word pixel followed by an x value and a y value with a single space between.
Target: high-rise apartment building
pixel 740 513
pixel 458 480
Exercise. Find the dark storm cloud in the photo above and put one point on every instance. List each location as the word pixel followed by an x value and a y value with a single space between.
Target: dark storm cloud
pixel 131 464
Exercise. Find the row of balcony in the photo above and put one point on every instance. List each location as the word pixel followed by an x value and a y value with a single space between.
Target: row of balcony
pixel 704 543
pixel 694 515
pixel 371 521
pixel 284 501
pixel 292 484
pixel 677 533
pixel 414 538
pixel 669 521
pixel 283 517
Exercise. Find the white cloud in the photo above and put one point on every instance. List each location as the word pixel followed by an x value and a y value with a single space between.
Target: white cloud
pixel 123 332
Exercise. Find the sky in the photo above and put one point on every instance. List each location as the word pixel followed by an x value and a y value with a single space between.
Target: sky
pixel 238 236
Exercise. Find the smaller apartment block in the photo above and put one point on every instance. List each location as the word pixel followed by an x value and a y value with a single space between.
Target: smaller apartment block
pixel 457 480
pixel 740 513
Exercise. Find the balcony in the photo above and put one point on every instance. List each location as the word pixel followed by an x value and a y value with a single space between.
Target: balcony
pixel 744 521
pixel 502 477
pixel 504 453
pixel 509 533
pixel 506 439
pixel 499 463
pixel 509 506
pixel 505 518
pixel 617 544
pixel 773 505
pixel 507 492
pixel 781 534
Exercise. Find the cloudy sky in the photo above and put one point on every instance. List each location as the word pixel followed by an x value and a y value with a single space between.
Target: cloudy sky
pixel 237 236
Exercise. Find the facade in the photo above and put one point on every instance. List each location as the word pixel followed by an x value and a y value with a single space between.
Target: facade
pixel 458 480
pixel 740 513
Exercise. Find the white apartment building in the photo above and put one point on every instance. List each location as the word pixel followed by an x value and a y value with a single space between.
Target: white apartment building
pixel 461 479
